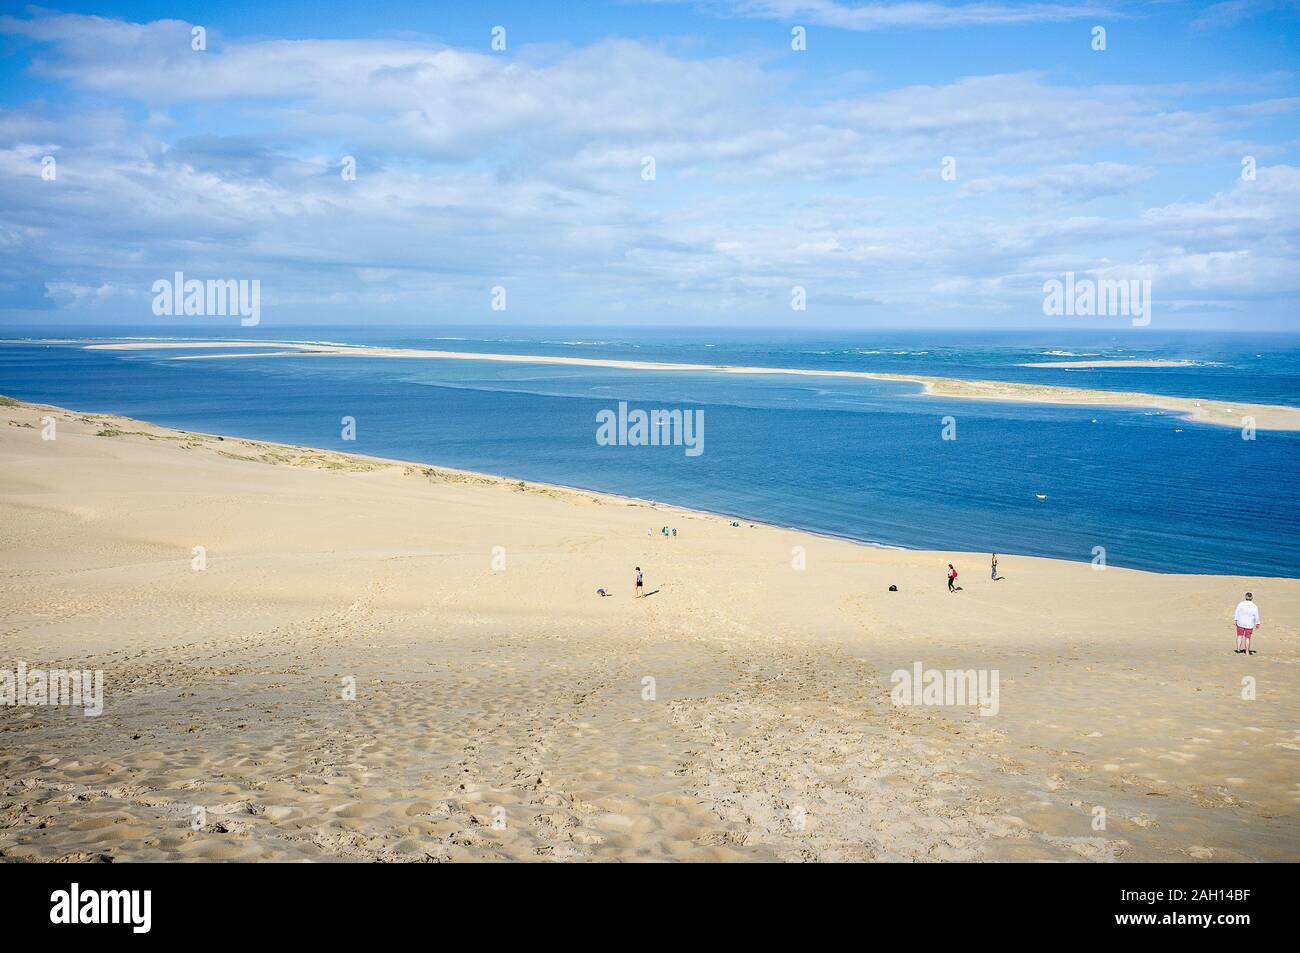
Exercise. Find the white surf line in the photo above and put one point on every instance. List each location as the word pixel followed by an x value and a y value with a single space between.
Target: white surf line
pixel 1115 363
pixel 1219 413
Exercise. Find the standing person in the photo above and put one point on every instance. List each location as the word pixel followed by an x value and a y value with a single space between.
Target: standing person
pixel 1247 619
pixel 640 582
pixel 952 578
pixel 995 567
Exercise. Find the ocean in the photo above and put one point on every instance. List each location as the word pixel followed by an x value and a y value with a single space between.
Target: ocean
pixel 858 459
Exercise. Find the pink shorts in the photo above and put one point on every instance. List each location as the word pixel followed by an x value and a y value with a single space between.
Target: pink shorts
pixel 1244 633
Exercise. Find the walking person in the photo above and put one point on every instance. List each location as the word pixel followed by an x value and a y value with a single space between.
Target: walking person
pixel 952 578
pixel 995 567
pixel 1247 619
pixel 640 582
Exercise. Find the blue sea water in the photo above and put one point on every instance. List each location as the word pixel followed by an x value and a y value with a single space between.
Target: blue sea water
pixel 855 458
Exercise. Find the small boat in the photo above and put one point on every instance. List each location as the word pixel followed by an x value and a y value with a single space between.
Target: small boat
pixel 1041 496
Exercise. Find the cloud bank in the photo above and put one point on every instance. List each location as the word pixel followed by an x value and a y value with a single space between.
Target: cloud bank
pixel 532 172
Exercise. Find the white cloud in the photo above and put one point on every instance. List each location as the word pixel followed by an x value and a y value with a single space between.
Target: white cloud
pixel 474 170
pixel 913 14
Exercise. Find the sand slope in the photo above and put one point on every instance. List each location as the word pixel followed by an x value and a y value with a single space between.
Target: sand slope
pixel 500 713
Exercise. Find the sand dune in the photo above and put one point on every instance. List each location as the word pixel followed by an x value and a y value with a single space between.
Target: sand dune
pixel 504 711
pixel 1199 410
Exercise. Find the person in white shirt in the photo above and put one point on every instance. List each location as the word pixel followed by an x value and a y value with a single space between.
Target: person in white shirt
pixel 1247 619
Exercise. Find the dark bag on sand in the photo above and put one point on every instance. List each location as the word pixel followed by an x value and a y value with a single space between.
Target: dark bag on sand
pixel 893 588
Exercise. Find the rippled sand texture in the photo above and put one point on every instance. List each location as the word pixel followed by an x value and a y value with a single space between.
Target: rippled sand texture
pixel 507 713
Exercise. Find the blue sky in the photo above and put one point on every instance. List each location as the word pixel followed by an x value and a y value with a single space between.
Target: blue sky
pixel 775 168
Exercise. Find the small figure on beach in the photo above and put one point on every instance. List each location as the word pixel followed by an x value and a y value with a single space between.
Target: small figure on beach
pixel 1247 619
pixel 995 567
pixel 601 592
pixel 640 582
pixel 952 578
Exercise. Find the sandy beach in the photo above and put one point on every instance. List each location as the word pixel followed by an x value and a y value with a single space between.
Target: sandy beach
pixel 503 710
pixel 1199 410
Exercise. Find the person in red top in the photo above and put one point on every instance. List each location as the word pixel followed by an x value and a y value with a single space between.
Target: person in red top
pixel 952 578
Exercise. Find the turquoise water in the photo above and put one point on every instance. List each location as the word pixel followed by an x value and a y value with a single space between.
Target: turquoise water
pixel 853 458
